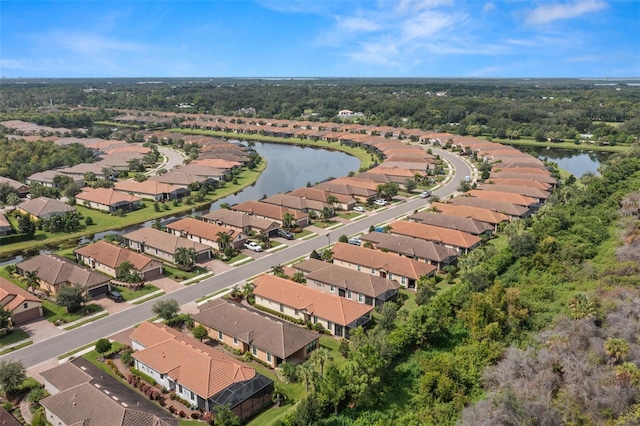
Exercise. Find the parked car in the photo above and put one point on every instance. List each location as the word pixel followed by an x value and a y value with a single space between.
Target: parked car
pixel 115 296
pixel 354 240
pixel 358 209
pixel 425 194
pixel 285 234
pixel 251 245
pixel 380 203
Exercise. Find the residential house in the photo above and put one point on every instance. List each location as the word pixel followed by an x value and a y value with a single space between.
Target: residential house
pixel 361 287
pixel 464 224
pixel 77 399
pixel 46 178
pixel 152 190
pixel 241 222
pixel 79 170
pixel 163 244
pixel 342 202
pixel 55 272
pixel 476 213
pixel 337 314
pixel 185 180
pixel 22 305
pixel 44 207
pixel 296 203
pixel 463 242
pixel 537 194
pixel 203 376
pixel 106 257
pixel 509 197
pixel 205 233
pixel 360 194
pixel 5 226
pixel 271 212
pixel 108 200
pixel 429 252
pixel 20 187
pixel 512 210
pixel 243 328
pixel 387 265
pixel 529 183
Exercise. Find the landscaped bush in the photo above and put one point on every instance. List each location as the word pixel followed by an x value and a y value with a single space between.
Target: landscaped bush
pixel 143 376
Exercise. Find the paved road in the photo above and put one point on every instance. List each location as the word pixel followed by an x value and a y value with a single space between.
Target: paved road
pixel 172 157
pixel 51 348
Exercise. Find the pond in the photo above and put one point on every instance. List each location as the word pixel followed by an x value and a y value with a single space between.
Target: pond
pixel 576 162
pixel 288 167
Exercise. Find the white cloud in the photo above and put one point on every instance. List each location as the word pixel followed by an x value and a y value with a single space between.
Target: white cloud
pixel 550 12
pixel 488 7
pixel 357 24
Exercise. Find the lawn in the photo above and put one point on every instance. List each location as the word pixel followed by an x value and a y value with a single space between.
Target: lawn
pixel 106 222
pixel 236 258
pixel 303 233
pixel 180 275
pixel 349 215
pixel 324 225
pixel 12 337
pixel 129 294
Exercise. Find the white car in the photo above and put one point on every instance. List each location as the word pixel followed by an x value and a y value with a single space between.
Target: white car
pixel 380 203
pixel 358 209
pixel 355 241
pixel 253 246
pixel 425 194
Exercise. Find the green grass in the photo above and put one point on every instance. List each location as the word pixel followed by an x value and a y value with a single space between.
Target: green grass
pixel 92 319
pixel 203 298
pixel 14 336
pixel 146 299
pixel 349 215
pixel 303 233
pixel 93 356
pixel 324 225
pixel 75 351
pixel 236 258
pixel 129 294
pixel 53 312
pixel 104 222
pixel 16 347
pixel 180 275
pixel 184 422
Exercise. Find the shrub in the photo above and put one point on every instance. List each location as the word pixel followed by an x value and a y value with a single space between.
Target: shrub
pixel 143 376
pixel 195 415
pixel 182 413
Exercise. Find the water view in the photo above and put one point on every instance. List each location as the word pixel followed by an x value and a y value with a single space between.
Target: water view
pixel 574 161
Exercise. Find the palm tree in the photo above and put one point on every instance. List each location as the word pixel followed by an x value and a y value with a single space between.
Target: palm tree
pixel 332 200
pixel 287 220
pixel 326 213
pixel 320 357
pixel 307 373
pixel 31 280
pixel 225 206
pixel 278 396
pixel 185 257
pixel 616 349
pixel 277 270
pixel 223 239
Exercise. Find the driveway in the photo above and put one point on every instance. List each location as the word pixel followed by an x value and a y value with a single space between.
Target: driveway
pixel 40 330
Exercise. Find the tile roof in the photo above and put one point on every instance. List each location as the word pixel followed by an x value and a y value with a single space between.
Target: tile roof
pixel 512 174
pixel 150 187
pixel 527 191
pixel 66 376
pixel 323 305
pixel 411 247
pixel 529 183
pixel 53 269
pixel 4 222
pixel 106 196
pixel 18 186
pixel 267 210
pixel 464 224
pixel 112 255
pixel 495 205
pixel 294 202
pixel 200 228
pixel 164 241
pixel 367 284
pixel 12 296
pixel 199 367
pixel 476 213
pixel 251 326
pixel 44 207
pixel 216 163
pixel 339 188
pixel 370 258
pixel 239 219
pixel 509 197
pixel 530 170
pixel 320 195
pixel 452 237
pixel 355 182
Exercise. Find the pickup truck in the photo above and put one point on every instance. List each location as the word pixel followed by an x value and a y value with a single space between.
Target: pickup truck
pixel 253 246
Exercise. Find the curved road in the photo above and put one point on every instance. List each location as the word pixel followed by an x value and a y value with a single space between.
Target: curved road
pixel 51 348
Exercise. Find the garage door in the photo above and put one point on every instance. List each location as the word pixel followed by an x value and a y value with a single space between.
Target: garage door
pixel 152 273
pixel 99 291
pixel 28 315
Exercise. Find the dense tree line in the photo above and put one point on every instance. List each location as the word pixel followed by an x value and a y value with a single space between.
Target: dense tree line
pixel 541 109
pixel 21 159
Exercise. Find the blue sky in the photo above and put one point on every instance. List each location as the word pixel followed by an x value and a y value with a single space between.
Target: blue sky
pixel 328 38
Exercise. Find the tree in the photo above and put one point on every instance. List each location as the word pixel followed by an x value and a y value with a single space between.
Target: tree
pixel 410 184
pixel 223 239
pixel 332 200
pixel 287 220
pixel 31 280
pixel 343 239
pixel 26 225
pixel 200 332
pixel 320 357
pixel 278 396
pixel 327 255
pixel 326 213
pixel 71 297
pixel 127 272
pixel 12 374
pixel 185 257
pixel 581 307
pixel 314 255
pixel 426 290
pixel 616 349
pixel 166 309
pixel 299 277
pixel 278 271
pixel 388 316
pixel 224 416
pixel 5 318
pixel 225 206
pixel 307 373
pixel 388 190
pixel 333 387
pixel 12 200
pixel 103 346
